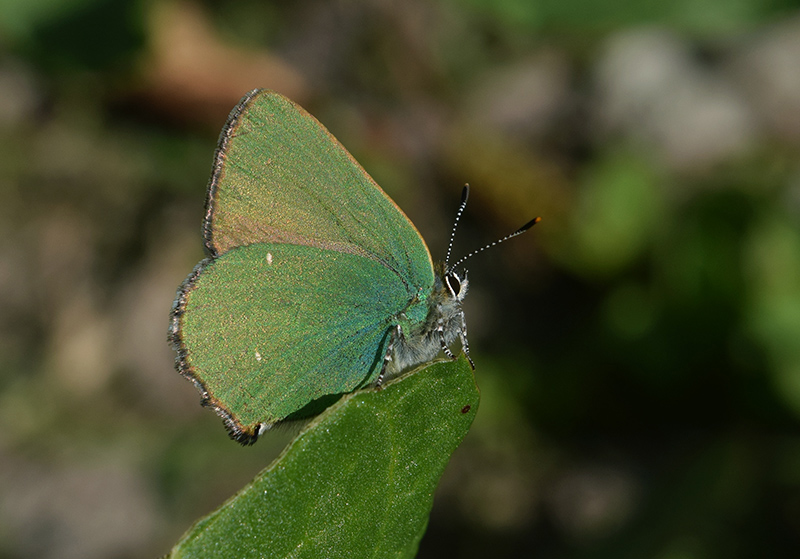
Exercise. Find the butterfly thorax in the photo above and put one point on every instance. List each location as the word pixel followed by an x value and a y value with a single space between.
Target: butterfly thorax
pixel 421 340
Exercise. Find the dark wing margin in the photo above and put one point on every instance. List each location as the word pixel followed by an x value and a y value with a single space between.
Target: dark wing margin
pixel 243 434
pixel 216 172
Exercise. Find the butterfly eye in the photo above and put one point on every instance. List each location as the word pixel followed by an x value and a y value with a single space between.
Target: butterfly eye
pixel 453 284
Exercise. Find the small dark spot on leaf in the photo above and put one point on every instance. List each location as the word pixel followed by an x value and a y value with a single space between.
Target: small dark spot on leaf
pixel 466 408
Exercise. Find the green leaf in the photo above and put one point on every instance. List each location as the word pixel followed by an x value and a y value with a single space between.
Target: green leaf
pixel 357 482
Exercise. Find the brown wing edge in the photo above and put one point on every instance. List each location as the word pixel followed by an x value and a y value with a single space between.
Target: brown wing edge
pixel 356 164
pixel 244 434
pixel 216 171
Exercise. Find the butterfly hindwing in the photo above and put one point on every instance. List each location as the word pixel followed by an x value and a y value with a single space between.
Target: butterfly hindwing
pixel 269 328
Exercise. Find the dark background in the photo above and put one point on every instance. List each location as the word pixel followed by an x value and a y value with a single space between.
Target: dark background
pixel 638 352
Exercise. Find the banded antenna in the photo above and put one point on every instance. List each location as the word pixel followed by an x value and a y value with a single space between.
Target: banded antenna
pixel 516 233
pixel 461 206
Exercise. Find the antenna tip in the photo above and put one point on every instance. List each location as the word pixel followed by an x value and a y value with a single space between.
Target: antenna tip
pixel 528 225
pixel 465 194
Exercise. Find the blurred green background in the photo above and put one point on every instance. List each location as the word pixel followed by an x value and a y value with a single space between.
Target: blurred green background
pixel 638 352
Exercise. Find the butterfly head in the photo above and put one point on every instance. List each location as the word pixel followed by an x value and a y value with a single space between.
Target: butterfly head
pixel 456 284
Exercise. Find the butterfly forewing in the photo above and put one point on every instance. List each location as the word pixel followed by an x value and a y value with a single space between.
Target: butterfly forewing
pixel 280 176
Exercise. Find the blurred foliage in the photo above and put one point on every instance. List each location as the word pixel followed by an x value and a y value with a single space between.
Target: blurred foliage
pixel 638 351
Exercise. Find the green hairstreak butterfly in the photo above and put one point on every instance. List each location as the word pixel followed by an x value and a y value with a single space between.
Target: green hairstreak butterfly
pixel 315 282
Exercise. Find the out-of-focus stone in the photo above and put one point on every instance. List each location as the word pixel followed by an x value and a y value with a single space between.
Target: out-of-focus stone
pixel 768 69
pixel 75 513
pixel 524 99
pixel 650 89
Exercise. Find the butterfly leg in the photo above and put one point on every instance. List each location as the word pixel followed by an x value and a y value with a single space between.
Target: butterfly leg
pixel 464 343
pixel 397 333
pixel 445 349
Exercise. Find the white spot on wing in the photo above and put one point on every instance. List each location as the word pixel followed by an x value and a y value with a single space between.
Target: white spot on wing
pixel 269 258
pixel 258 356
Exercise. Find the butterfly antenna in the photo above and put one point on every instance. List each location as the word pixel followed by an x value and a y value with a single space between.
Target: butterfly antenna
pixel 461 206
pixel 519 231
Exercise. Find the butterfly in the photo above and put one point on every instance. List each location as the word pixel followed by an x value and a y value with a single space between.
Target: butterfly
pixel 315 282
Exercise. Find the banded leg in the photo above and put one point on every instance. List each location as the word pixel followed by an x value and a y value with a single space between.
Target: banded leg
pixel 445 349
pixel 397 333
pixel 464 343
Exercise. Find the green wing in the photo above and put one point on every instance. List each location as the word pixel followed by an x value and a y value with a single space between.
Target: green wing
pixel 310 265
pixel 281 177
pixel 272 327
